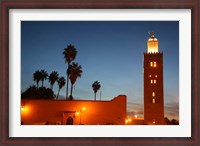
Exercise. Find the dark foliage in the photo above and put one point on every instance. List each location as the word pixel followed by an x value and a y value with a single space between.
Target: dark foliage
pixel 96 86
pixel 37 93
pixel 171 122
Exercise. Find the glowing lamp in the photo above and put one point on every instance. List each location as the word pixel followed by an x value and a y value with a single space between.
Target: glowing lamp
pixel 83 109
pixel 126 121
pixel 23 107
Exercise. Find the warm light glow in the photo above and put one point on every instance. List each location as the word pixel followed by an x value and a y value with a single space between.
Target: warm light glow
pixel 153 47
pixel 77 113
pixel 151 64
pixel 154 122
pixel 23 108
pixel 153 100
pixel 154 64
pixel 83 109
pixel 150 76
pixel 152 44
pixel 156 76
pixel 126 121
pixel 136 116
pixel 153 94
pixel 153 81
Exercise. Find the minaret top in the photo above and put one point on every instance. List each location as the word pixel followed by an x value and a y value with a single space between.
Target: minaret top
pixel 152 44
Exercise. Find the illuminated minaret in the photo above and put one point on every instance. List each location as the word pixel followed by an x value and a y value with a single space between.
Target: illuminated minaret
pixel 153 83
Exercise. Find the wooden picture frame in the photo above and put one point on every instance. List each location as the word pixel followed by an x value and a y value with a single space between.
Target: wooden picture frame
pixel 99 4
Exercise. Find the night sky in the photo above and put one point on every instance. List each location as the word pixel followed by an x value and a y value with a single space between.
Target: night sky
pixel 108 51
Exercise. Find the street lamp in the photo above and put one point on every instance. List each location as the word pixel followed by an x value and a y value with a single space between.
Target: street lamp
pixel 23 107
pixel 127 121
pixel 80 113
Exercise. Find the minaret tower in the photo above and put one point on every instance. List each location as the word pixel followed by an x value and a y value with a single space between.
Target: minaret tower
pixel 153 84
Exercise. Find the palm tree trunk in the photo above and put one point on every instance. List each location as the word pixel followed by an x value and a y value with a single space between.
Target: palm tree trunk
pixel 58 94
pixel 67 83
pixel 71 91
pixel 37 84
pixel 95 96
pixel 67 87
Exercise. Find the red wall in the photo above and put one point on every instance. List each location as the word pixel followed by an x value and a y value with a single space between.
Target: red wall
pixel 97 112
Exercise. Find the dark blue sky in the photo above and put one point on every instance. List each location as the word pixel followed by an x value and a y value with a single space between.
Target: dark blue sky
pixel 108 51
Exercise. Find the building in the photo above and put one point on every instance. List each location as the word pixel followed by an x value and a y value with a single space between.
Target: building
pixel 153 83
pixel 74 112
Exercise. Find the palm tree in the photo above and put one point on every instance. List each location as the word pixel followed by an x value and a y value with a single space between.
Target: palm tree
pixel 75 71
pixel 61 83
pixel 37 77
pixel 69 53
pixel 44 76
pixel 53 78
pixel 96 86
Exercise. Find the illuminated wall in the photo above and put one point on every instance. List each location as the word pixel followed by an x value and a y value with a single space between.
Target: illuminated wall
pixel 60 111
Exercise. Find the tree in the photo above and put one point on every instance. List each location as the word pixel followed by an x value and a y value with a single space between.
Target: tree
pixel 37 76
pixel 174 122
pixel 75 71
pixel 37 93
pixel 53 77
pixel 96 86
pixel 69 53
pixel 44 76
pixel 167 121
pixel 171 122
pixel 61 83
